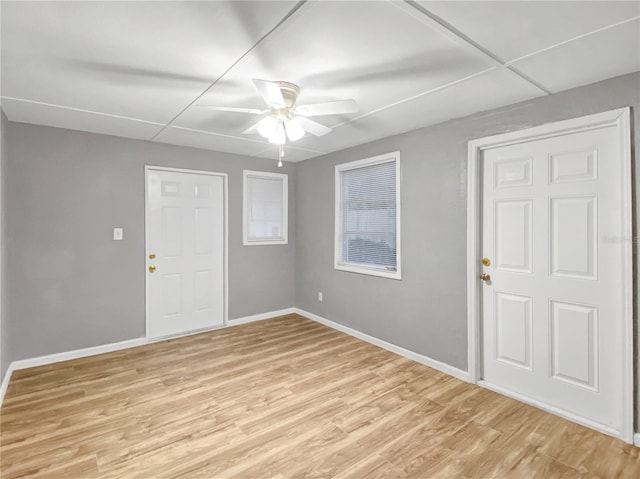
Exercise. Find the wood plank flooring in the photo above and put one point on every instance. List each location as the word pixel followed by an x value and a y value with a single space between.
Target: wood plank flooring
pixel 279 399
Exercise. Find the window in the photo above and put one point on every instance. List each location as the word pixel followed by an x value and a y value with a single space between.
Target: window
pixel 265 208
pixel 368 216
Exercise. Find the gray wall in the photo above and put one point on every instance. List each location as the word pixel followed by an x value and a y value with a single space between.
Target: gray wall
pixel 5 334
pixel 426 311
pixel 72 286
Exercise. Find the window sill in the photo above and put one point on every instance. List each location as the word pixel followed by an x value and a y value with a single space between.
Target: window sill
pixel 264 242
pixel 351 268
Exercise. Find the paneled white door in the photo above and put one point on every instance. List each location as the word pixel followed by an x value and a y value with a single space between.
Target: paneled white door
pixel 185 251
pixel 552 309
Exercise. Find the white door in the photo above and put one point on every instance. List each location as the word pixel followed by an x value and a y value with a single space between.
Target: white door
pixel 185 251
pixel 552 319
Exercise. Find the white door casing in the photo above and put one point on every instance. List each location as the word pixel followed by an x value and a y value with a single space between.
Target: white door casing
pixel 553 326
pixel 186 223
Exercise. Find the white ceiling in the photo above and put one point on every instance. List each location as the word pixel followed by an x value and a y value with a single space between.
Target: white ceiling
pixel 140 69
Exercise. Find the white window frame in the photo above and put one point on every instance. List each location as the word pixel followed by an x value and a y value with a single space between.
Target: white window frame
pixel 284 238
pixel 355 267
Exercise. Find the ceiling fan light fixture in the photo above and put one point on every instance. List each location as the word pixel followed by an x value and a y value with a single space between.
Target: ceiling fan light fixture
pixel 278 137
pixel 294 129
pixel 267 127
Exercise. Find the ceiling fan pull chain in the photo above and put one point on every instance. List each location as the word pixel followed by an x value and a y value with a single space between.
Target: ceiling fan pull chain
pixel 280 155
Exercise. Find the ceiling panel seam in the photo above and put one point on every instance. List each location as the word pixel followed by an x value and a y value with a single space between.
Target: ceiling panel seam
pixel 82 110
pixel 527 78
pixel 479 48
pixel 217 134
pixel 436 21
pixel 424 93
pixel 570 40
pixel 260 40
pixel 296 148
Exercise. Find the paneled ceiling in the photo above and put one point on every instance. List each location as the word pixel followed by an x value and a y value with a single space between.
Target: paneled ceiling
pixel 144 69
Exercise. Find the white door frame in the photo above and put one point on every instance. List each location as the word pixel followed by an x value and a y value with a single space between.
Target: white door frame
pixel 225 296
pixel 619 119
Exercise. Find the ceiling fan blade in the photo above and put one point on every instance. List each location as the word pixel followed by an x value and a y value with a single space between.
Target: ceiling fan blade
pixel 328 108
pixel 271 93
pixel 252 111
pixel 253 129
pixel 314 127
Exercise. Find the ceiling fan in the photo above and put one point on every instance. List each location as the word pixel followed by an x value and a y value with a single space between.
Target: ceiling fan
pixel 283 119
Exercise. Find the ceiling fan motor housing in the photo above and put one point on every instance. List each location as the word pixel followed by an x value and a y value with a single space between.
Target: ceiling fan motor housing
pixel 290 92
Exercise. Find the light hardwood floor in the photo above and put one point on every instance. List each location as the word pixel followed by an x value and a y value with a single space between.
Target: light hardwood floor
pixel 282 398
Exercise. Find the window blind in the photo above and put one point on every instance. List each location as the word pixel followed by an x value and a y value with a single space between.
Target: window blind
pixel 369 215
pixel 265 208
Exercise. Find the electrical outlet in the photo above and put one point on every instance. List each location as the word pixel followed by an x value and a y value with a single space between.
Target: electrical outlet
pixel 319 295
pixel 118 234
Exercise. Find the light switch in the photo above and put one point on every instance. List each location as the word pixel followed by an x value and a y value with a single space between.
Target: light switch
pixel 117 234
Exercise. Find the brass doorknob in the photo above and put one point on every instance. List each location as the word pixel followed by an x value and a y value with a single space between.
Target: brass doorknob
pixel 485 277
pixel 152 268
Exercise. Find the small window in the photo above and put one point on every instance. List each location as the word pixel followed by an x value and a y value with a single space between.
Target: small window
pixel 265 208
pixel 368 216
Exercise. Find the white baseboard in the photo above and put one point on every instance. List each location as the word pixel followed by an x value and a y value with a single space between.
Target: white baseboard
pixel 420 358
pixel 555 410
pixel 5 382
pixel 230 323
pixel 75 354
pixel 636 439
pixel 260 317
